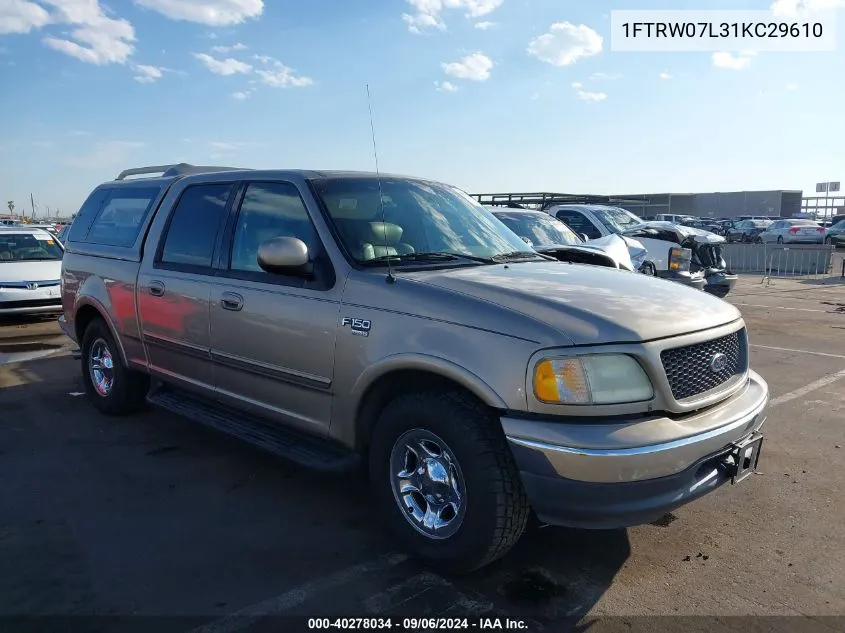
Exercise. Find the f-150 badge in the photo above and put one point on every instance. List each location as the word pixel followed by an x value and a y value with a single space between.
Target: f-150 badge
pixel 359 327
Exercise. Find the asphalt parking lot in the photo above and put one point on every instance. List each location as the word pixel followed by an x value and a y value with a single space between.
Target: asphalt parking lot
pixel 153 516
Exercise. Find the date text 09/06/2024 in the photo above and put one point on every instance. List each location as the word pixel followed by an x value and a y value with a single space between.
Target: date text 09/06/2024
pixel 750 30
pixel 417 624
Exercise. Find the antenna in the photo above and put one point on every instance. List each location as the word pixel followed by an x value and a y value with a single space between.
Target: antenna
pixel 390 278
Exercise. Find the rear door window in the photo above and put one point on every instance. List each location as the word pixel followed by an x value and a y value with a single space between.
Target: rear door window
pixel 194 225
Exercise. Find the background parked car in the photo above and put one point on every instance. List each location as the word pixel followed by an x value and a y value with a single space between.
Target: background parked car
pixel 680 253
pixel 836 234
pixel 747 231
pixel 793 232
pixel 550 236
pixel 30 271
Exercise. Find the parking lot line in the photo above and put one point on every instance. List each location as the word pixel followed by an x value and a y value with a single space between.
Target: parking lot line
pixel 246 617
pixel 803 391
pixel 798 351
pixel 757 305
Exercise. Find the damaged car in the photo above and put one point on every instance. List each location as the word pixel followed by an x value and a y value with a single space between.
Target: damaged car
pixel 550 236
pixel 679 253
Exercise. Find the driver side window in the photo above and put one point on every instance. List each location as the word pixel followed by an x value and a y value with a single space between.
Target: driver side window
pixel 268 210
pixel 579 223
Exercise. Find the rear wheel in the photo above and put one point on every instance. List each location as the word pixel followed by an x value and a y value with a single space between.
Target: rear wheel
pixel 758 240
pixel 780 239
pixel 111 387
pixel 444 477
pixel 828 240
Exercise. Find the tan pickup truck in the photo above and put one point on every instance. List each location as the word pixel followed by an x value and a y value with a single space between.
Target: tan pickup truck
pixel 345 320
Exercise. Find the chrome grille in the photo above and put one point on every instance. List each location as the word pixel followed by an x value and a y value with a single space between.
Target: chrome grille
pixel 688 368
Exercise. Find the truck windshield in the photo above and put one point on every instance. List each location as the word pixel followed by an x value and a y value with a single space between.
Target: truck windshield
pixel 27 247
pixel 540 229
pixel 413 217
pixel 619 220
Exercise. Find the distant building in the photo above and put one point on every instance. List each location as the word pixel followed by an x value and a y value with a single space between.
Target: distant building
pixel 715 205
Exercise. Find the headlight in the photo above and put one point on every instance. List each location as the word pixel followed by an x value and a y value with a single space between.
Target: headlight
pixel 593 379
pixel 679 259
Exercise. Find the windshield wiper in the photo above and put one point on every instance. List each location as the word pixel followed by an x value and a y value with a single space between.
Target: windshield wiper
pixel 518 255
pixel 428 257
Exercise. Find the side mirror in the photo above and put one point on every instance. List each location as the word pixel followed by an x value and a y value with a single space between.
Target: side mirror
pixel 585 237
pixel 285 256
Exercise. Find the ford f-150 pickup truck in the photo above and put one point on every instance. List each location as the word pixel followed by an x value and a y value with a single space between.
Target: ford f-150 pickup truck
pixel 346 320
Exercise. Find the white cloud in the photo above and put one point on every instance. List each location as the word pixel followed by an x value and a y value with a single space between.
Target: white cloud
pixel 792 86
pixel 20 16
pixel 279 75
pixel 427 13
pixel 475 67
pixel 208 12
pixel 229 49
pixel 241 96
pixel 225 67
pixel 605 77
pixel 577 85
pixel 794 8
pixel 225 147
pixel 147 74
pixel 592 97
pixel 484 25
pixel 97 39
pixel 665 76
pixel 105 155
pixel 733 62
pixel 445 86
pixel 565 44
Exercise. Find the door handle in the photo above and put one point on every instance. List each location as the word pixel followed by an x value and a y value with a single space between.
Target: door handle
pixel 231 301
pixel 156 288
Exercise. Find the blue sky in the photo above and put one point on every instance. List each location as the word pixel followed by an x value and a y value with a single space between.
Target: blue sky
pixel 485 94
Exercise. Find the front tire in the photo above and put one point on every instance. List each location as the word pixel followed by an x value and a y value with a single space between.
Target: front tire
pixel 780 239
pixel 111 387
pixel 445 480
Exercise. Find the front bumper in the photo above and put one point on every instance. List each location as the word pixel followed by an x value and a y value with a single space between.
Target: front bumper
pixel 720 283
pixel 630 472
pixel 23 301
pixel 695 280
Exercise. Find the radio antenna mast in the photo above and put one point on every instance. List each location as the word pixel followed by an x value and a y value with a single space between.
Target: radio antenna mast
pixel 390 278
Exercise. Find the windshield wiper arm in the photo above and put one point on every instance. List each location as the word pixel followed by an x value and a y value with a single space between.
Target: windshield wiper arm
pixel 429 257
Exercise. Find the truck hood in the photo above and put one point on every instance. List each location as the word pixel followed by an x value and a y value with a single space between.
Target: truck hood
pixel 684 233
pixel 31 271
pixel 588 305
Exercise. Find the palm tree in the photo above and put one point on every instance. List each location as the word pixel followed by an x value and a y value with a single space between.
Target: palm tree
pixel 11 205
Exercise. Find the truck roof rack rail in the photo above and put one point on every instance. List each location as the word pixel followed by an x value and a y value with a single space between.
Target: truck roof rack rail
pixel 167 171
pixel 544 200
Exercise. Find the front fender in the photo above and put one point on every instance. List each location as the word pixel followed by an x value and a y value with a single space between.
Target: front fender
pixel 431 364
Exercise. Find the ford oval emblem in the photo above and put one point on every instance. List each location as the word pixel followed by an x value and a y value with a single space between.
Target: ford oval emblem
pixel 718 362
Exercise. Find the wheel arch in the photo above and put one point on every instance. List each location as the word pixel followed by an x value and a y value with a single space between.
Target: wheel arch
pixel 398 375
pixel 89 310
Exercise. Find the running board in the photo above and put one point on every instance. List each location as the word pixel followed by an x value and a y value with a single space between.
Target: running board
pixel 290 444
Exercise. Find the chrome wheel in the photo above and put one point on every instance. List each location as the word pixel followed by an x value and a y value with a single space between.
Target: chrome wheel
pixel 101 367
pixel 428 484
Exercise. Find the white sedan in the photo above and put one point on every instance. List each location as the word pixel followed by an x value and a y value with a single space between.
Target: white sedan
pixel 791 231
pixel 30 271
